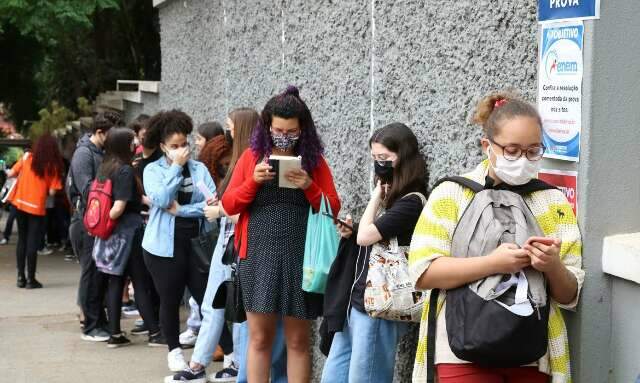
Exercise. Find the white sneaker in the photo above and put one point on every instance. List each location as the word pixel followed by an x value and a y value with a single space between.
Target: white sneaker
pixel 188 338
pixel 229 361
pixel 175 360
pixel 4 241
pixel 45 251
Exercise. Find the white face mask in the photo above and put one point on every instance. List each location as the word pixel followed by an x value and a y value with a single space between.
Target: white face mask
pixel 171 153
pixel 517 172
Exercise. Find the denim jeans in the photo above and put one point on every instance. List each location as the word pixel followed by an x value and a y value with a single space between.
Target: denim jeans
pixel 194 321
pixel 278 354
pixel 365 351
pixel 212 319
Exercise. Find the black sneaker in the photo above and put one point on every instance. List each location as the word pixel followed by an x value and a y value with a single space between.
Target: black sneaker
pixel 22 281
pixel 189 375
pixel 118 341
pixel 33 284
pixel 157 340
pixel 229 374
pixel 140 330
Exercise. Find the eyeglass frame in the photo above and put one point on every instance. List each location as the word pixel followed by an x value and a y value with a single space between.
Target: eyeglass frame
pixel 522 151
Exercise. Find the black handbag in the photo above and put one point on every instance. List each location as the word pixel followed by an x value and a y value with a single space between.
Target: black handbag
pixel 229 256
pixel 229 294
pixel 202 248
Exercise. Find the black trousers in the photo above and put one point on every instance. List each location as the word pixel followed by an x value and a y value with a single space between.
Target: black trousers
pixel 92 286
pixel 226 340
pixel 146 296
pixel 30 229
pixel 171 276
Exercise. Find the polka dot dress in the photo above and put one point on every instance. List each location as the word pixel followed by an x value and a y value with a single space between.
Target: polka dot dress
pixel 271 275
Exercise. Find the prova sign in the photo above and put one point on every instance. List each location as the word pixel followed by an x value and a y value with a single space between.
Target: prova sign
pixel 557 10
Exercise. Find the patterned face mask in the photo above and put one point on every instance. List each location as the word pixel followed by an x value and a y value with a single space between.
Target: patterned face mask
pixel 284 141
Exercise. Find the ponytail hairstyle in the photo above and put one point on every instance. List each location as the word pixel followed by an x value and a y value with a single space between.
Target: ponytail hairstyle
pixel 288 105
pixel 245 120
pixel 410 171
pixel 498 107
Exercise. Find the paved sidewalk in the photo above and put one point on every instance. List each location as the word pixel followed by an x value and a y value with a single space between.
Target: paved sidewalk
pixel 40 335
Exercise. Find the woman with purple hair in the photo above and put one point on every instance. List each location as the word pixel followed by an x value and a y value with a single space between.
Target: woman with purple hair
pixel 271 231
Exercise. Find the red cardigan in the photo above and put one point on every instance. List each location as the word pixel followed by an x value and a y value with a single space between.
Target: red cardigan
pixel 242 190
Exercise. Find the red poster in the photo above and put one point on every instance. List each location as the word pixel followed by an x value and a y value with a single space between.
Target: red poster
pixel 566 181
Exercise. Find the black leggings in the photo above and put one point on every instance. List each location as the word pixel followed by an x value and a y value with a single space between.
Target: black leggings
pixel 171 276
pixel 145 293
pixel 146 296
pixel 30 229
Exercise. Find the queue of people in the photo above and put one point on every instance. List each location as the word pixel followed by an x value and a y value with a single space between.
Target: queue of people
pixel 484 262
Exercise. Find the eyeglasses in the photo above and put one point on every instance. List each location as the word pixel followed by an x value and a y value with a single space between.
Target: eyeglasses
pixel 515 152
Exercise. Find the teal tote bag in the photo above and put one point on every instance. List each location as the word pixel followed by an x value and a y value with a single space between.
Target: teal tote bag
pixel 320 248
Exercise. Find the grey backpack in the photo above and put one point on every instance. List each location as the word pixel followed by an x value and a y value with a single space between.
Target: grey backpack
pixel 501 320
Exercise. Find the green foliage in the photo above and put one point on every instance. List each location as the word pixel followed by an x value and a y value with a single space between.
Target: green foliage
pixel 52 120
pixel 11 154
pixel 85 108
pixel 47 20
pixel 64 49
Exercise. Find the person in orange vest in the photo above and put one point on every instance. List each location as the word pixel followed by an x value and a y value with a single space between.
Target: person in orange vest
pixel 38 175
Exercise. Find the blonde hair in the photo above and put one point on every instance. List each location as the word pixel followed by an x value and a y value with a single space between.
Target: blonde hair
pixel 492 110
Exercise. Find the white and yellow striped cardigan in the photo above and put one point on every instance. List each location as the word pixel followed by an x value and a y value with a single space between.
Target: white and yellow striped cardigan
pixel 432 239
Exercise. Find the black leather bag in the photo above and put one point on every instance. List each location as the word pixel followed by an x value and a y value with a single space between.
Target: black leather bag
pixel 202 248
pixel 229 256
pixel 229 298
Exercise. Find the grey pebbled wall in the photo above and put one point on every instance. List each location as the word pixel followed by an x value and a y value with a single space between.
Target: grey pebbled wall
pixel 359 65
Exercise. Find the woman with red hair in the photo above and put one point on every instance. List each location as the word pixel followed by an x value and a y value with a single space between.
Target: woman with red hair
pixel 38 175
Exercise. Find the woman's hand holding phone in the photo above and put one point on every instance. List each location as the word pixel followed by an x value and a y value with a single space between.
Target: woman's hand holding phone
pixel 345 231
pixel 262 173
pixel 544 253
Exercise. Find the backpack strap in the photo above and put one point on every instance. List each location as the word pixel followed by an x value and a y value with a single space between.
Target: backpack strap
pixel 462 181
pixel 431 335
pixel 423 199
pixel 532 186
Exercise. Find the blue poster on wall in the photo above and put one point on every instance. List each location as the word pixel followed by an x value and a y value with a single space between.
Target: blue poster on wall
pixel 559 10
pixel 560 89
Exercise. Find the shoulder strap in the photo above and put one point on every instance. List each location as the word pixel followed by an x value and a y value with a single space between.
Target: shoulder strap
pixel 462 181
pixel 418 194
pixel 431 336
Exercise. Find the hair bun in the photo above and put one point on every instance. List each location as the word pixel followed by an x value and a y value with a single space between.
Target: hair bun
pixel 292 90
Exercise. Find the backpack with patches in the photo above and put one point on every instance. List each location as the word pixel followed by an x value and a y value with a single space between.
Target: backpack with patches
pixel 500 320
pixel 99 202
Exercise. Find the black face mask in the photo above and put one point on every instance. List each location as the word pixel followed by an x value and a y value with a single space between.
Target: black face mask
pixel 384 170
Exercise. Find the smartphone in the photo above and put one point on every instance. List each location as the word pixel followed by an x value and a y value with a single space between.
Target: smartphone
pixel 543 240
pixel 343 223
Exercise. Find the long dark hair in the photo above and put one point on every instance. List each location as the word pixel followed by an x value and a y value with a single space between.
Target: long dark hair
pixel 47 160
pixel 244 121
pixel 118 152
pixel 289 105
pixel 410 172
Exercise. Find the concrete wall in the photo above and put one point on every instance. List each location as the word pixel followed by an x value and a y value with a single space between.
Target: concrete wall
pixel 363 64
pixel 610 195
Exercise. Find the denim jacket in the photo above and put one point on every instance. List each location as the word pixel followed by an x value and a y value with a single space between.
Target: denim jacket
pixel 161 184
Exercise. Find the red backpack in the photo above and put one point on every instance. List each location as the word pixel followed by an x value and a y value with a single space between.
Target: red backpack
pixel 96 215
